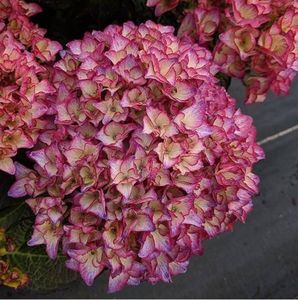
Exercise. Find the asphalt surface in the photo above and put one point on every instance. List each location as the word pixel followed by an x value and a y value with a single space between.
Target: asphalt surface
pixel 260 258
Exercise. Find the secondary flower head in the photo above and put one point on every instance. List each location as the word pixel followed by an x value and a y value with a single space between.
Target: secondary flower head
pixel 147 157
pixel 254 40
pixel 25 90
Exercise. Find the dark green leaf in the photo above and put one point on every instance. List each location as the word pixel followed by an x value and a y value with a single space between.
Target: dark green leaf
pixel 44 273
pixel 11 214
pixel 20 232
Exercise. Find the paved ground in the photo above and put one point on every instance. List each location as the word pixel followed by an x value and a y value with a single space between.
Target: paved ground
pixel 257 260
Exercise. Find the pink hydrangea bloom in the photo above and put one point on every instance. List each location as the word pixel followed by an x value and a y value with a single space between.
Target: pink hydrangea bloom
pixel 149 155
pixel 257 40
pixel 25 90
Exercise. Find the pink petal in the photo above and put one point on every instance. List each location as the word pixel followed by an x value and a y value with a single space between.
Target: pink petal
pixel 192 117
pixel 181 91
pixel 7 165
pixel 125 189
pixel 193 219
pixel 89 271
pixel 117 282
pixel 144 223
pixel 147 248
pixel 18 189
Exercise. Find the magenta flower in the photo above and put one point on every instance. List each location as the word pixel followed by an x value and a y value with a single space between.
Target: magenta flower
pixel 46 49
pixel 88 261
pixel 241 39
pixel 229 61
pixel 249 12
pixel 157 122
pixel 92 202
pixel 207 21
pixel 48 224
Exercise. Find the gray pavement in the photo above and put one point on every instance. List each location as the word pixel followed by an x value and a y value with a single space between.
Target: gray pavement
pixel 260 258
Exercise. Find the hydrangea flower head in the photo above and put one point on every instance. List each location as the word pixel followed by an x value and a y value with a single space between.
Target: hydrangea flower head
pixel 252 40
pixel 25 87
pixel 147 157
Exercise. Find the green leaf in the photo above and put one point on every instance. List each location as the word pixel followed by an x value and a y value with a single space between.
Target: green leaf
pixel 21 231
pixel 11 214
pixel 44 273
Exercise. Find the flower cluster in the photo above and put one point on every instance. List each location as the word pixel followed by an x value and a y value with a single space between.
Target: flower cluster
pixel 10 276
pixel 253 40
pixel 25 89
pixel 145 157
